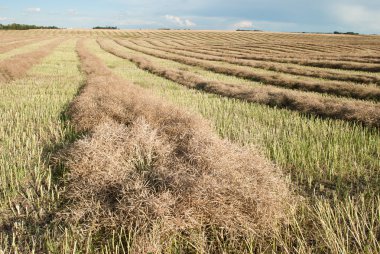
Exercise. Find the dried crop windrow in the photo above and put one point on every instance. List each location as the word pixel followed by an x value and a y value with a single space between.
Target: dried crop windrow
pixel 346 44
pixel 239 51
pixel 278 49
pixel 327 46
pixel 10 39
pixel 145 162
pixel 236 51
pixel 335 88
pixel 271 66
pixel 315 63
pixel 16 66
pixel 299 44
pixel 303 48
pixel 363 112
pixel 272 48
pixel 14 45
pixel 222 56
pixel 329 62
pixel 252 49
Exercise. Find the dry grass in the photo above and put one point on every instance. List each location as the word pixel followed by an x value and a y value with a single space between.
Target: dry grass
pixel 366 113
pixel 337 170
pixel 278 44
pixel 222 55
pixel 16 66
pixel 329 87
pixel 333 55
pixel 342 55
pixel 146 163
pixel 16 44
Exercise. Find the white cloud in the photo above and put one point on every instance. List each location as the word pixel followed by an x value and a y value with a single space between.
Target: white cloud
pixel 357 16
pixel 243 24
pixel 180 21
pixel 3 18
pixel 34 9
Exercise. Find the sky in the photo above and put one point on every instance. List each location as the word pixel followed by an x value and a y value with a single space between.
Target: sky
pixel 270 15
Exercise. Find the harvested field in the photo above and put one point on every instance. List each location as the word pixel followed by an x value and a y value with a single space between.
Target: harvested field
pixel 220 55
pixel 330 87
pixel 169 169
pixel 189 142
pixel 366 113
pixel 24 49
pixel 15 44
pixel 18 65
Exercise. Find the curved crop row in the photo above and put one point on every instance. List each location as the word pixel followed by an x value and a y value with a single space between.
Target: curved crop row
pixel 334 64
pixel 325 73
pixel 18 65
pixel 11 46
pixel 343 65
pixel 366 113
pixel 326 56
pixel 340 89
pixel 323 48
pixel 296 44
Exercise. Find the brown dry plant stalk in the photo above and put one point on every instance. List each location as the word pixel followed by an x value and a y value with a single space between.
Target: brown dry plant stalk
pixel 250 47
pixel 363 112
pixel 146 162
pixel 362 46
pixel 336 56
pixel 273 66
pixel 17 44
pixel 335 88
pixel 321 63
pixel 16 66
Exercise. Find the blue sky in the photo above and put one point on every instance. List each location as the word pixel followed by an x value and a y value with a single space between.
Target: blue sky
pixel 271 15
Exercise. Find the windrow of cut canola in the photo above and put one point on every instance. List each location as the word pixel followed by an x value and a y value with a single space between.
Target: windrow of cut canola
pixel 367 113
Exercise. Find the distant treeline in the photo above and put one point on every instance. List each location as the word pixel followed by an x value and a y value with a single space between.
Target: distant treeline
pixel 350 33
pixel 15 26
pixel 336 32
pixel 248 30
pixel 105 27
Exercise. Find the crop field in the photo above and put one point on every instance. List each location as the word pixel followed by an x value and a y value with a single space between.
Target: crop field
pixel 134 141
